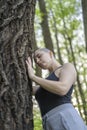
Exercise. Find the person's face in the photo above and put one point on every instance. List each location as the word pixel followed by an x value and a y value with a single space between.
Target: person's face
pixel 43 59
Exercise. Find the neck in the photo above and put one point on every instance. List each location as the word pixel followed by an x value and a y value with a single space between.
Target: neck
pixel 54 66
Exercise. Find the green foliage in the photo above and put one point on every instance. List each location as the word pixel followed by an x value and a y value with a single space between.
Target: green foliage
pixel 37 119
pixel 65 21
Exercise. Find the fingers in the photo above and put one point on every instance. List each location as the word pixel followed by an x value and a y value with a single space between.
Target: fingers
pixel 28 61
pixel 29 67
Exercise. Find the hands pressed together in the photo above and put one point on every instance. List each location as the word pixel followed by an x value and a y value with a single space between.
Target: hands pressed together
pixel 29 67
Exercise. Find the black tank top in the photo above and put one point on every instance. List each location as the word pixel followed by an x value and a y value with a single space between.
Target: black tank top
pixel 48 100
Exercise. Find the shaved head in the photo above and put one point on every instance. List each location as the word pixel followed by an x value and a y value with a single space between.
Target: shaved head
pixel 43 49
pixel 38 50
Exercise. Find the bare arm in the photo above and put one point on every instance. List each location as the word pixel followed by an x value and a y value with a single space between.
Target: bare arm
pixel 35 88
pixel 67 78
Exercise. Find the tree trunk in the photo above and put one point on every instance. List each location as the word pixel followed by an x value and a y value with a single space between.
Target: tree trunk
pixel 16 36
pixel 38 70
pixel 57 38
pixel 84 8
pixel 45 26
pixel 83 101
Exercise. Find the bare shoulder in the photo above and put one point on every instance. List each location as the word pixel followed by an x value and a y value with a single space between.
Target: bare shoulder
pixel 68 65
pixel 69 70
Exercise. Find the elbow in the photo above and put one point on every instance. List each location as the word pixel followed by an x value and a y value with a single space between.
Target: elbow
pixel 63 90
pixel 63 93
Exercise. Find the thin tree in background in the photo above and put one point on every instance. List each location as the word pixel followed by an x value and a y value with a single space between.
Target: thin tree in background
pixel 65 21
pixel 84 9
pixel 57 38
pixel 38 70
pixel 69 36
pixel 16 38
pixel 45 26
pixel 69 40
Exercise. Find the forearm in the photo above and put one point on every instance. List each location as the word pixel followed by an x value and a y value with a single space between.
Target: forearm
pixel 35 88
pixel 56 87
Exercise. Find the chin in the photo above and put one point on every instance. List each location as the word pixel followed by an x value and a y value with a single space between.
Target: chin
pixel 44 67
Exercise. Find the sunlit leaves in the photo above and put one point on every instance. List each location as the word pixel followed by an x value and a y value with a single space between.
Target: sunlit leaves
pixel 65 21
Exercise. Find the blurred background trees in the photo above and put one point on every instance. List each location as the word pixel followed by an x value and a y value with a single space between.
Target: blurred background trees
pixel 60 26
pixel 84 12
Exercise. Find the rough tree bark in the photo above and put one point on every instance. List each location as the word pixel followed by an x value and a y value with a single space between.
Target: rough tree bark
pixel 16 36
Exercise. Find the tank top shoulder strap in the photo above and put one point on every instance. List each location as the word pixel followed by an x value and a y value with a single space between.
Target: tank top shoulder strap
pixel 58 68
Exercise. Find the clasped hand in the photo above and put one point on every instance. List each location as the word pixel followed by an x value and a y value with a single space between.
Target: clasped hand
pixel 29 67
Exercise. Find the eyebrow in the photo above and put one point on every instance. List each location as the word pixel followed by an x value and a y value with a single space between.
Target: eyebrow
pixel 38 54
pixel 35 55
